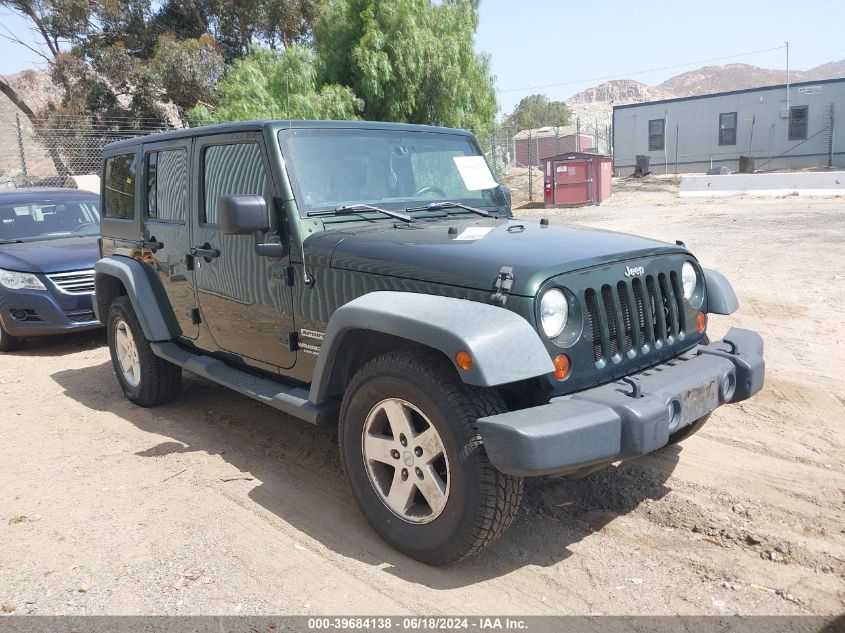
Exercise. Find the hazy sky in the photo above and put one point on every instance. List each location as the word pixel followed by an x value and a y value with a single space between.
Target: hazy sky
pixel 539 42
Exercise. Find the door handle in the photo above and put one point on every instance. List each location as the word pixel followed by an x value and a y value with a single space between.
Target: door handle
pixel 205 251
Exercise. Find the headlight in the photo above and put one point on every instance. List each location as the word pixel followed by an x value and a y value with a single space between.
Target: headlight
pixel 690 280
pixel 20 281
pixel 554 311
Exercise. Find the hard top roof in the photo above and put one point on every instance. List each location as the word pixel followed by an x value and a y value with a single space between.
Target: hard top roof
pixel 36 194
pixel 276 126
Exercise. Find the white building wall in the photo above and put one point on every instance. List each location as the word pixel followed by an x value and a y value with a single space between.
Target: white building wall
pixel 692 130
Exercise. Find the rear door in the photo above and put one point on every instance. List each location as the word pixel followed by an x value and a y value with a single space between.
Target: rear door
pixel 244 302
pixel 167 192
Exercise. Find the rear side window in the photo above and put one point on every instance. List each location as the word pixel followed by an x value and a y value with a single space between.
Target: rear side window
pixel 167 185
pixel 231 170
pixel 119 187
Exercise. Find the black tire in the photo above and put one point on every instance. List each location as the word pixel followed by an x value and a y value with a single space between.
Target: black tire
pixel 158 380
pixel 481 502
pixel 9 343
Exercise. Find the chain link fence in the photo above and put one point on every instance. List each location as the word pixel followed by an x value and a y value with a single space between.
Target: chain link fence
pixel 516 155
pixel 51 152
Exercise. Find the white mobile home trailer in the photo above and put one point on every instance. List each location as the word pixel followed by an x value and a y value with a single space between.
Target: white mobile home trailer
pixel 779 130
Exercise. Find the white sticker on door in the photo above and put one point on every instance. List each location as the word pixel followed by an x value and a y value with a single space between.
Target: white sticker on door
pixel 475 172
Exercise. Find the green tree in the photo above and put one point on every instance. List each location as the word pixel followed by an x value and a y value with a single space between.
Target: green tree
pixel 271 84
pixel 536 111
pixel 136 58
pixel 408 60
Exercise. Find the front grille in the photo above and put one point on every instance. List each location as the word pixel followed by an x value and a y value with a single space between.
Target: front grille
pixel 634 317
pixel 77 282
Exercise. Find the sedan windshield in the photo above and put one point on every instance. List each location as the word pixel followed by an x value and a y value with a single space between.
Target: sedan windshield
pixel 49 219
pixel 335 168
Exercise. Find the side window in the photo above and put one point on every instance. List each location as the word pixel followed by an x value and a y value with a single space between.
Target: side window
pixel 231 170
pixel 798 123
pixel 119 187
pixel 167 185
pixel 727 128
pixel 656 134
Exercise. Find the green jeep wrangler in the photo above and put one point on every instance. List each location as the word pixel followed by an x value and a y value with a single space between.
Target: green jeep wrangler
pixel 371 275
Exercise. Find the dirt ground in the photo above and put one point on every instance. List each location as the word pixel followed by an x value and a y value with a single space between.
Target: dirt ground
pixel 219 505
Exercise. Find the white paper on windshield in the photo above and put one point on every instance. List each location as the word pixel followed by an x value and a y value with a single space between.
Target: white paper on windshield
pixel 474 233
pixel 475 172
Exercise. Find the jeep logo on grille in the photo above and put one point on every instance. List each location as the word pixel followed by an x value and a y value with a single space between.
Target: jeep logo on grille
pixel 635 271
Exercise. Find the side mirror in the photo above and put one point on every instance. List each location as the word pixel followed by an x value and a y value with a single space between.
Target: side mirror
pixel 247 215
pixel 242 215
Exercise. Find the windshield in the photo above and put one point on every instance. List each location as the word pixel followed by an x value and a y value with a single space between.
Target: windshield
pixel 49 219
pixel 337 167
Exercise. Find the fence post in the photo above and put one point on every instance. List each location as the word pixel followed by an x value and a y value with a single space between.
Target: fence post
pixel 493 151
pixel 20 146
pixel 530 171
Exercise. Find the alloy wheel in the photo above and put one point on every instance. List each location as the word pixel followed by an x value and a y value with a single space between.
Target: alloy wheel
pixel 406 461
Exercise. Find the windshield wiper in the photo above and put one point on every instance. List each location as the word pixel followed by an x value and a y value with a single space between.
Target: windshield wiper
pixel 11 241
pixel 346 209
pixel 439 206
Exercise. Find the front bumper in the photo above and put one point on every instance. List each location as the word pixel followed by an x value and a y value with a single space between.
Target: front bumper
pixel 628 417
pixel 45 314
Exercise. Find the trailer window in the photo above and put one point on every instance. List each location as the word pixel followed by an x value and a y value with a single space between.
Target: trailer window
pixel 656 135
pixel 797 123
pixel 727 128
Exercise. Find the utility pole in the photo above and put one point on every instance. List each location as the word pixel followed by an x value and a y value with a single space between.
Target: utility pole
pixel 787 77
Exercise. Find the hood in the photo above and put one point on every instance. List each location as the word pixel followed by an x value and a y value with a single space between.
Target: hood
pixel 470 253
pixel 50 256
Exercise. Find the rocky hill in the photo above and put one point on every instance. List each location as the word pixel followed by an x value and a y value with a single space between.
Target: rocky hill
pixel 37 90
pixel 595 105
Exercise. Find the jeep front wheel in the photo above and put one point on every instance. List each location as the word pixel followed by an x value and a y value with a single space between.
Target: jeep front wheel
pixel 417 467
pixel 146 379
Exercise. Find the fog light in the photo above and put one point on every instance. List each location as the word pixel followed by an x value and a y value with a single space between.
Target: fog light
pixel 463 359
pixel 562 366
pixel 19 315
pixel 701 321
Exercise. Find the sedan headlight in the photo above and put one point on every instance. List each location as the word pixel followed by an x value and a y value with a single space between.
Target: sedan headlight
pixel 689 278
pixel 554 311
pixel 20 281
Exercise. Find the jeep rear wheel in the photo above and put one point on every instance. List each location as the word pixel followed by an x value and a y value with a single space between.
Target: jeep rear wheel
pixel 146 379
pixel 417 467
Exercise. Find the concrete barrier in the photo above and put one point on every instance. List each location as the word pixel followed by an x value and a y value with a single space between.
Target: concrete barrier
pixel 802 183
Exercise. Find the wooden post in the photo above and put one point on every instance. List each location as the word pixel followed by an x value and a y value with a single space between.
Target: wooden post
pixel 20 146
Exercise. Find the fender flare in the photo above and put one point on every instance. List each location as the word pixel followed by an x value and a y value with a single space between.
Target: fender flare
pixel 505 348
pixel 721 298
pixel 145 292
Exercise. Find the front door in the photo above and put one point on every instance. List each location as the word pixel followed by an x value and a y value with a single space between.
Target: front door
pixel 245 306
pixel 573 182
pixel 167 191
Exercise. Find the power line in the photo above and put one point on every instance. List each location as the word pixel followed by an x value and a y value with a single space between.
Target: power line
pixel 643 72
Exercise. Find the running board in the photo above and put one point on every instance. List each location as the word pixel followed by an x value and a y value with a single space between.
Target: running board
pixel 291 400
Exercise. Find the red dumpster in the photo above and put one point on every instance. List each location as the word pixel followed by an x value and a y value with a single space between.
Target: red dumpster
pixel 577 179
